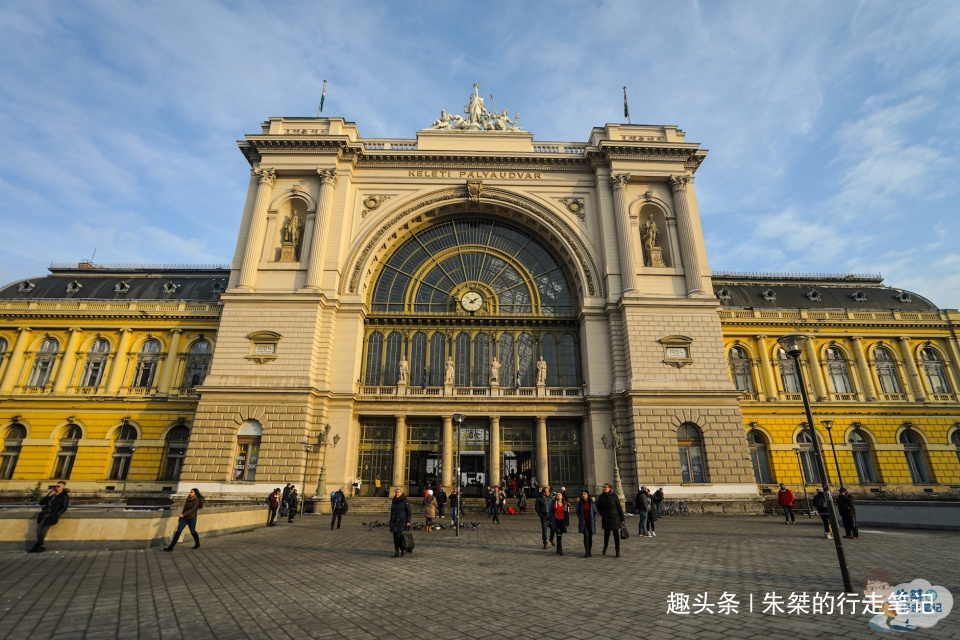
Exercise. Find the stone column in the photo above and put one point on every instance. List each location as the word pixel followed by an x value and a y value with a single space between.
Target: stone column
pixel 543 476
pixel 864 369
pixel 688 245
pixel 449 464
pixel 15 363
pixel 66 362
pixel 115 379
pixel 258 226
pixel 816 373
pixel 628 261
pixel 328 180
pixel 769 379
pixel 494 451
pixel 399 452
pixel 170 366
pixel 915 383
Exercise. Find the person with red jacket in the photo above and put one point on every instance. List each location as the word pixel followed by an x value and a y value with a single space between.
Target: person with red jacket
pixel 785 498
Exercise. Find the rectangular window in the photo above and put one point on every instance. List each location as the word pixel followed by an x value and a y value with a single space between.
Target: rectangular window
pixel 173 465
pixel 120 465
pixel 864 464
pixel 93 373
pixel 64 464
pixel 245 464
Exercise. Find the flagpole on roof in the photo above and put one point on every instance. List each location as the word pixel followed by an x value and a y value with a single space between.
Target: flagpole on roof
pixel 323 94
pixel 626 108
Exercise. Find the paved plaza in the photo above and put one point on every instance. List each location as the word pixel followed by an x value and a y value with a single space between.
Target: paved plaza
pixel 302 580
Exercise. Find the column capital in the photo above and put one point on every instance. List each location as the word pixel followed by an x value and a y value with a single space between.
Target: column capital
pixel 267 175
pixel 678 184
pixel 760 336
pixel 856 338
pixel 619 180
pixel 494 418
pixel 903 338
pixel 176 331
pixel 328 176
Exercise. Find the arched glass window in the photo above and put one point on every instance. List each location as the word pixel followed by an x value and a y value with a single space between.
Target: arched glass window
pixel 955 439
pixel 12 442
pixel 481 360
pixel 3 351
pixel 147 362
pixel 916 461
pixel 96 364
pixel 887 371
pixel 438 344
pixel 837 371
pixel 525 361
pixel 808 459
pixel 508 367
pixel 740 369
pixel 548 348
pixel 123 447
pixel 198 365
pixel 248 451
pixel 690 446
pixel 863 456
pixel 418 359
pixel 391 365
pixel 788 372
pixel 43 363
pixel 67 452
pixel 760 457
pixel 569 359
pixel 176 452
pixel 933 368
pixel 374 358
pixel 461 360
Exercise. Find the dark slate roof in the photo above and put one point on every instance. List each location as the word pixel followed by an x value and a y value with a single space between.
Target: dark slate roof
pixel 807 291
pixel 86 281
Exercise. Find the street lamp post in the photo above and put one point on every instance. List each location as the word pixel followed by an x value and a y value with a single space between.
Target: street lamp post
pixel 828 425
pixel 324 439
pixel 793 345
pixel 615 443
pixel 458 418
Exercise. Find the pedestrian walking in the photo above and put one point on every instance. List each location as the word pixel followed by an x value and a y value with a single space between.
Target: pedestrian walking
pixel 356 487
pixel 441 501
pixel 454 506
pixel 399 520
pixel 338 507
pixel 489 497
pixel 559 519
pixel 641 505
pixel 188 518
pixel 847 507
pixel 521 502
pixel 285 501
pixel 652 516
pixel 429 509
pixel 658 500
pixel 611 516
pixel 497 501
pixel 785 500
pixel 293 502
pixel 820 502
pixel 273 504
pixel 54 505
pixel 376 487
pixel 542 507
pixel 587 514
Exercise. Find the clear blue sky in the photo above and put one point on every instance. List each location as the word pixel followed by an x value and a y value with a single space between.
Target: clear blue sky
pixel 832 126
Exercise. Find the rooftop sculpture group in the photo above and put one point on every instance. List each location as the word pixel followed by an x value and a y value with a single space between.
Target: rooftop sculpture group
pixel 478 117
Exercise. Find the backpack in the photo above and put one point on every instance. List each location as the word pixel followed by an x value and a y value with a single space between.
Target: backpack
pixel 820 502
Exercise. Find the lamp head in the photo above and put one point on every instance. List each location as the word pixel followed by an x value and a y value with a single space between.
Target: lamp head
pixel 458 418
pixel 827 424
pixel 603 439
pixel 336 439
pixel 792 343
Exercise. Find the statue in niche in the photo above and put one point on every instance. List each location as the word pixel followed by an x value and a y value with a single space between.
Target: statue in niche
pixel 404 372
pixel 541 371
pixel 290 237
pixel 495 370
pixel 448 372
pixel 649 233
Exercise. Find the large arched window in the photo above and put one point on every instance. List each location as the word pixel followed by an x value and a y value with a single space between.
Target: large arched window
pixel 481 360
pixel 462 359
pixel 525 361
pixel 955 439
pixel 569 362
pixel 508 367
pixel 550 353
pixel 3 352
pixel 788 372
pixel 887 371
pixel 438 344
pixel 148 359
pixel 95 364
pixel 933 368
pixel 12 442
pixel 67 452
pixel 418 359
pixel 692 462
pixel 124 444
pixel 198 364
pixel 759 455
pixel 740 369
pixel 863 456
pixel 914 454
pixel 374 358
pixel 248 451
pixel 43 363
pixel 391 365
pixel 177 441
pixel 837 371
pixel 808 459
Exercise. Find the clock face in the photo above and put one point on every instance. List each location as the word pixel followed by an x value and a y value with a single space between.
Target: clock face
pixel 471 301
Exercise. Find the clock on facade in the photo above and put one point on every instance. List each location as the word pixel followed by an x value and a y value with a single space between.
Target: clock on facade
pixel 471 301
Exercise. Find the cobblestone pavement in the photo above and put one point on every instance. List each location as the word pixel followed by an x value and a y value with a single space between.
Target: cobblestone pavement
pixel 302 580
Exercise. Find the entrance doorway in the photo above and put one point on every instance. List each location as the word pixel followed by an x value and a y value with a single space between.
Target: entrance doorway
pixel 473 473
pixel 423 469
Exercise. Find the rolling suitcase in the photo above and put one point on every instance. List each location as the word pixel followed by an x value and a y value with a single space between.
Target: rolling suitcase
pixel 408 543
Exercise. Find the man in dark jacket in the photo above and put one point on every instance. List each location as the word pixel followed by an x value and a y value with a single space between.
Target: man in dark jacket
pixel 54 505
pixel 542 507
pixel 848 513
pixel 338 506
pixel 293 502
pixel 820 502
pixel 285 500
pixel 441 501
pixel 641 505
pixel 611 514
pixel 399 521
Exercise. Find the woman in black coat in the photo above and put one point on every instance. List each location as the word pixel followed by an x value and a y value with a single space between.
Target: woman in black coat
pixel 587 513
pixel 399 521
pixel 559 519
pixel 611 513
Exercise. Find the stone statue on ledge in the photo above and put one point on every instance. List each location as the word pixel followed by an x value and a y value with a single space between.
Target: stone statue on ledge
pixel 478 117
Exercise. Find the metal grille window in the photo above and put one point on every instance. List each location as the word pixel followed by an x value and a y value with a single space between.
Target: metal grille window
pixel 914 454
pixel 863 456
pixel 759 457
pixel 462 360
pixel 67 453
pixel 147 362
pixel 887 371
pixel 933 368
pixel 198 364
pixel 808 459
pixel 508 368
pixel 481 360
pixel 525 361
pixel 95 365
pixel 568 364
pixel 43 363
pixel 374 357
pixel 690 446
pixel 123 448
pixel 837 369
pixel 788 372
pixel 391 365
pixel 564 457
pixel 177 441
pixel 418 359
pixel 12 443
pixel 740 369
pixel 438 344
pixel 375 456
